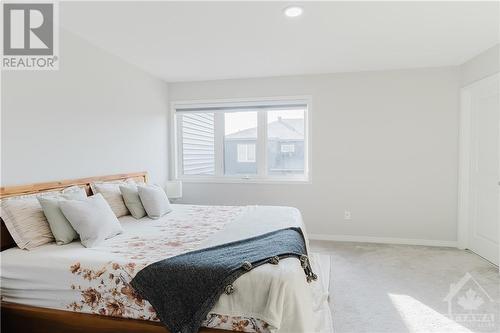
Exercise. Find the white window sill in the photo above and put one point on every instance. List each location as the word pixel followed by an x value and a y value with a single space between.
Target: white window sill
pixel 239 180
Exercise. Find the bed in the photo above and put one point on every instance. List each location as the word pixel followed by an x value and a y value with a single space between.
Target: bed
pixel 74 289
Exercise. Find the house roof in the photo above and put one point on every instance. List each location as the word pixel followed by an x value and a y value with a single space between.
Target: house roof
pixel 284 129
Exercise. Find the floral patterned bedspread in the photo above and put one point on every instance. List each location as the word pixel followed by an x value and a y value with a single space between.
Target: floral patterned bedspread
pixel 101 286
pixel 106 291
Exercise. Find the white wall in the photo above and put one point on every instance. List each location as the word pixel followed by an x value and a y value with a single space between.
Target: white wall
pixel 481 66
pixel 384 147
pixel 384 143
pixel 97 115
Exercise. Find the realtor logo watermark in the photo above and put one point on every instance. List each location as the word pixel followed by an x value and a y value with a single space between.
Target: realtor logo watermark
pixel 471 306
pixel 30 36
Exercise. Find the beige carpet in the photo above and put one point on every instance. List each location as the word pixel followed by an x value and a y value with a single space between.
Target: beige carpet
pixel 400 288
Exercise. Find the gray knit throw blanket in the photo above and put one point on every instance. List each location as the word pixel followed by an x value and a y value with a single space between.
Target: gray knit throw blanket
pixel 183 289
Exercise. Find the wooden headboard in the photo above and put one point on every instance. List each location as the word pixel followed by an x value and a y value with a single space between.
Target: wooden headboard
pixel 6 240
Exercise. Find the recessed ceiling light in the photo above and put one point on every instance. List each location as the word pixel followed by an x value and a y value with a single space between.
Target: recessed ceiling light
pixel 293 11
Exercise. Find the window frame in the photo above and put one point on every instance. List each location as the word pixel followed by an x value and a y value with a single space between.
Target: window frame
pixel 253 104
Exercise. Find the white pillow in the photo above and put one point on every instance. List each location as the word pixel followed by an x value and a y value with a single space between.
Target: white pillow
pixel 132 201
pixel 92 219
pixel 154 199
pixel 61 228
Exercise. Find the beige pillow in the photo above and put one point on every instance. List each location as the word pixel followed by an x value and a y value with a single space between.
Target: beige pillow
pixel 24 218
pixel 112 194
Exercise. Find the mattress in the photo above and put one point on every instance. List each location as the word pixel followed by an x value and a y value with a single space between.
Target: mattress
pixel 96 280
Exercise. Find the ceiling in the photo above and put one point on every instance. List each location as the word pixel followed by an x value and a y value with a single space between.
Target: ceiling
pixel 185 41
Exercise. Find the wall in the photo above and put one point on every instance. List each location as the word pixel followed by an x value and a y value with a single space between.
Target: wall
pixel 481 66
pixel 384 147
pixel 97 115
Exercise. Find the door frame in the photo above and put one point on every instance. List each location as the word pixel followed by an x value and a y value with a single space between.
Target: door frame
pixel 465 159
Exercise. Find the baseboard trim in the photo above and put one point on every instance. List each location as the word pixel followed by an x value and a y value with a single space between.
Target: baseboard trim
pixel 383 240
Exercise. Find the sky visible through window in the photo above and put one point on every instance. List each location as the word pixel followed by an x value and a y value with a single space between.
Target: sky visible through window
pixel 238 121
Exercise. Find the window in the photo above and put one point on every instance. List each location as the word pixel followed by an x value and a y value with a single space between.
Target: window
pixel 240 137
pixel 246 153
pixel 287 148
pixel 242 141
pixel 285 142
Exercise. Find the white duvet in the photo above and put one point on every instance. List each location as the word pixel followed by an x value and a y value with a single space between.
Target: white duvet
pixel 71 277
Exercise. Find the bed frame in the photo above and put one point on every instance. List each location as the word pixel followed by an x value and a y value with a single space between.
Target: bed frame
pixel 25 318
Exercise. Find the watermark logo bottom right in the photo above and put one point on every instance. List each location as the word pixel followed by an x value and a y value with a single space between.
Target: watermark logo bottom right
pixel 471 306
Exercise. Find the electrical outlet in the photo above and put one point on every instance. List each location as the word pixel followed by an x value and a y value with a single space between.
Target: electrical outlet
pixel 347 215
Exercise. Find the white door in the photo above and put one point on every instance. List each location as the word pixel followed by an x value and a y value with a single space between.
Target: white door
pixel 481 149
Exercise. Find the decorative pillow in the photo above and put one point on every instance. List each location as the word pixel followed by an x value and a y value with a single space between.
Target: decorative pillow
pixel 61 228
pixel 132 200
pixel 92 219
pixel 80 190
pixel 111 192
pixel 26 222
pixel 154 199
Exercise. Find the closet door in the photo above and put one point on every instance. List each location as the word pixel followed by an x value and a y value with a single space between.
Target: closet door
pixel 481 146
